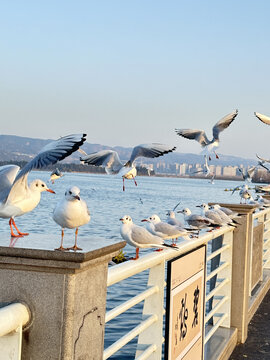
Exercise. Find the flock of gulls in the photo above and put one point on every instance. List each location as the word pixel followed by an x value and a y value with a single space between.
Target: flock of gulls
pixel 17 197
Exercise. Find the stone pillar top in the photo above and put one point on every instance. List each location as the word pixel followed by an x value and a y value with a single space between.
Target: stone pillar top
pixel 42 256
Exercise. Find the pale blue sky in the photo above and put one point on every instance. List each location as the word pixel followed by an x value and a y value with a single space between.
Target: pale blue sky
pixel 129 72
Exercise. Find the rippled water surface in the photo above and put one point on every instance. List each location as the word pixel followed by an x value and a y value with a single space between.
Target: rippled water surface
pixel 107 203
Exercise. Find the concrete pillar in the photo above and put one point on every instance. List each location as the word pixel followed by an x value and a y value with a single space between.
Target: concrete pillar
pixel 242 245
pixel 66 294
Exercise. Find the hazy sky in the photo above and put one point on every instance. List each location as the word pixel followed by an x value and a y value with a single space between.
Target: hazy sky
pixel 130 72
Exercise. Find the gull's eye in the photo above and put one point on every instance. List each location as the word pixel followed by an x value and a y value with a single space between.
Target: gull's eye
pixel 70 192
pixel 36 184
pixel 42 185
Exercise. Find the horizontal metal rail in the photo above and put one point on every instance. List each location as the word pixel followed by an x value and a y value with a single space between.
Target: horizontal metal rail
pixel 129 336
pixel 217 252
pixel 148 352
pixel 214 328
pixel 12 316
pixel 215 309
pixel 216 289
pixel 217 270
pixel 130 303
pixel 261 213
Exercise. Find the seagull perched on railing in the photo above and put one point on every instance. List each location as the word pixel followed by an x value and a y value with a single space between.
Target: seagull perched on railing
pixel 209 146
pixel 262 201
pixel 165 230
pixel 196 221
pixel 139 237
pixel 109 159
pixel 71 212
pixel 244 193
pixel 16 196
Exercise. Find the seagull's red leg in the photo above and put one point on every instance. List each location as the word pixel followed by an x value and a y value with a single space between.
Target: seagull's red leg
pixel 19 232
pixel 217 157
pixel 61 248
pixel 134 180
pixel 158 249
pixel 123 184
pixel 210 158
pixel 137 254
pixel 75 247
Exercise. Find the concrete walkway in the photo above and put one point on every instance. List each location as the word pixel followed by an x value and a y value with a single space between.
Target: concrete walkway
pixel 257 345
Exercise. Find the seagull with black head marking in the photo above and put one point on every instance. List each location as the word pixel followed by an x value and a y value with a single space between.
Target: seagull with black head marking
pixel 109 159
pixel 16 196
pixel 209 146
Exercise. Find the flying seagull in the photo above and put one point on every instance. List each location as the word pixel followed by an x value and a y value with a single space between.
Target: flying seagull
pixel 209 146
pixel 109 159
pixel 265 119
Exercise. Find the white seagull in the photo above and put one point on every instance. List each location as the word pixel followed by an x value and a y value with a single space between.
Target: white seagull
pixel 109 159
pixel 56 174
pixel 171 219
pixel 163 229
pixel 209 146
pixel 247 175
pixel 139 237
pixel 196 221
pixel 16 196
pixel 244 193
pixel 265 119
pixel 71 212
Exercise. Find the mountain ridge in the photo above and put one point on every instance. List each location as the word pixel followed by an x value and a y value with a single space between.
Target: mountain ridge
pixel 19 148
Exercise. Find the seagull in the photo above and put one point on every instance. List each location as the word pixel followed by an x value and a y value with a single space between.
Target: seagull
pixel 244 193
pixel 205 170
pixel 223 215
pixel 171 219
pixel 71 212
pixel 195 221
pixel 139 237
pixel 265 119
pixel 16 196
pixel 56 174
pixel 109 159
pixel 262 161
pixel 163 229
pixel 232 214
pixel 262 201
pixel 200 135
pixel 213 215
pixel 247 176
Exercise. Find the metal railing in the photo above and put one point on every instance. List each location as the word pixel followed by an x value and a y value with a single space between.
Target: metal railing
pixel 150 329
pixel 12 318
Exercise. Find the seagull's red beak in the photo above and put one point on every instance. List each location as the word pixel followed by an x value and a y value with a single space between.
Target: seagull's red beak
pixel 144 220
pixel 50 190
pixel 121 219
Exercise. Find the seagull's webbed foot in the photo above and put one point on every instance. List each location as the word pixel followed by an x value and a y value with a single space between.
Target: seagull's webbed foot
pixel 61 248
pixel 159 249
pixel 74 248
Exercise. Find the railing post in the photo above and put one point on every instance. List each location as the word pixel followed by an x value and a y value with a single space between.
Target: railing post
pixel 66 294
pixel 154 306
pixel 241 262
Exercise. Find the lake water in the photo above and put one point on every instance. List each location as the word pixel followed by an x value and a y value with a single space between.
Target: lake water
pixel 107 203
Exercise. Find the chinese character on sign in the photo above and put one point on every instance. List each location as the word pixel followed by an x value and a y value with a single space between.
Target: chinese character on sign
pixel 183 316
pixel 195 306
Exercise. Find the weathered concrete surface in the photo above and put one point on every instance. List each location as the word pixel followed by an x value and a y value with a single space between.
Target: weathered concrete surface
pixel 66 294
pixel 257 345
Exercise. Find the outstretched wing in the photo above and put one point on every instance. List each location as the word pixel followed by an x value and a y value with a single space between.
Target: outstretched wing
pixel 251 171
pixel 263 159
pixel 108 159
pixel 265 119
pixel 54 151
pixel 198 135
pixel 7 176
pixel 223 124
pixel 150 151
